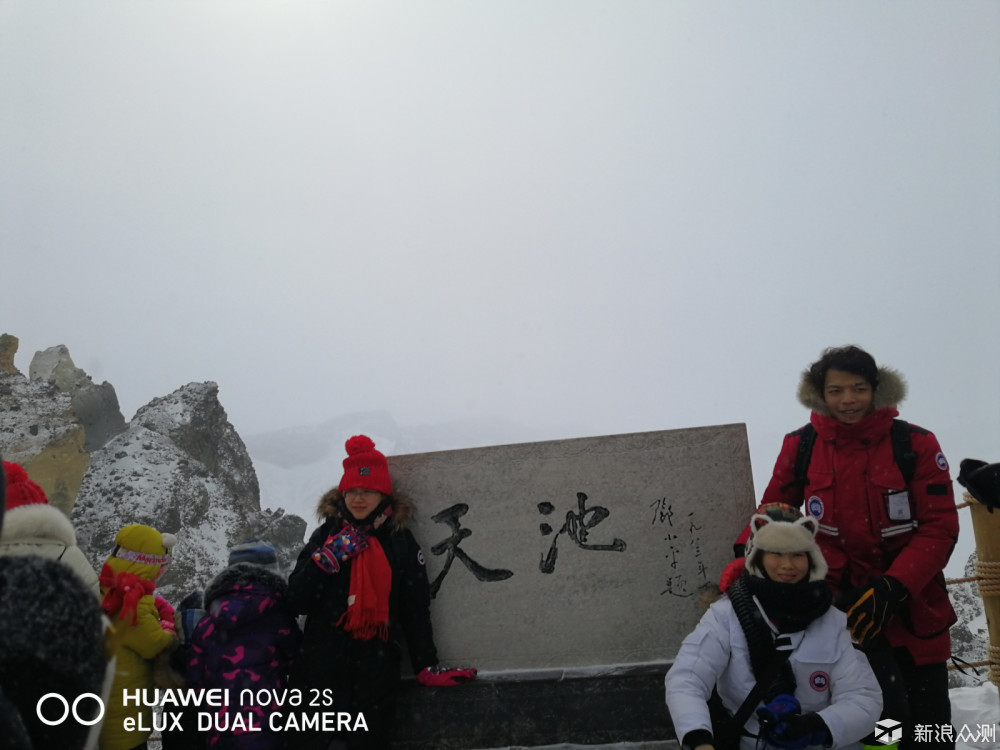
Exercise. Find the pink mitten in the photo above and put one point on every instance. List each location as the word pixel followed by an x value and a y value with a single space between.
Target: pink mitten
pixel 442 677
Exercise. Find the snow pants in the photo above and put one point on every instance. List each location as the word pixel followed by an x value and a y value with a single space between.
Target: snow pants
pixel 914 695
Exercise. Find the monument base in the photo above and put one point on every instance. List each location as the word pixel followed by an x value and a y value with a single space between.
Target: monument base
pixel 487 713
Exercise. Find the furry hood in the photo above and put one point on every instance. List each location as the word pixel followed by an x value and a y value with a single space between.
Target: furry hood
pixel 402 509
pixel 891 391
pixel 30 523
pixel 243 574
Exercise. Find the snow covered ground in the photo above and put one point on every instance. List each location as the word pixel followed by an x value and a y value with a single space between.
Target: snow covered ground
pixel 975 715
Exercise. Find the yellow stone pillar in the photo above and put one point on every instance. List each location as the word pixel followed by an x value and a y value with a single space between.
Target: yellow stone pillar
pixel 986 527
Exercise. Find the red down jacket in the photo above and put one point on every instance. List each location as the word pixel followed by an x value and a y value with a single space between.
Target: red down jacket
pixel 872 523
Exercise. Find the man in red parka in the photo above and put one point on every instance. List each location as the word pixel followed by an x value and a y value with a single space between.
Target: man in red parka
pixel 886 539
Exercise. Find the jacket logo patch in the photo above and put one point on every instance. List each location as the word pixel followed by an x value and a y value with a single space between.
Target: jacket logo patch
pixel 941 461
pixel 815 507
pixel 364 471
pixel 819 681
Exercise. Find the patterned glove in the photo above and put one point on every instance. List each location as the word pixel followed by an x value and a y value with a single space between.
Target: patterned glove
pixel 441 677
pixel 347 543
pixel 874 607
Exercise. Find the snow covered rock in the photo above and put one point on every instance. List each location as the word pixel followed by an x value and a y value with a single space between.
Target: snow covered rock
pixel 178 466
pixel 969 636
pixel 181 468
pixel 50 421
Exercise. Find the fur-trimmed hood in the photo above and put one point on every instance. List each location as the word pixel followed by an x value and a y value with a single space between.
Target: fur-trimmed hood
pixel 331 504
pixel 38 522
pixel 891 391
pixel 46 531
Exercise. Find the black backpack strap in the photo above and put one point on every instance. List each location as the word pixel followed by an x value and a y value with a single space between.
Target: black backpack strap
pixel 902 452
pixel 783 649
pixel 760 640
pixel 727 728
pixel 902 448
pixel 800 474
pixel 767 655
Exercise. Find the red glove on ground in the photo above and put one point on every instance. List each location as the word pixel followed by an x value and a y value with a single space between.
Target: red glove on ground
pixel 441 677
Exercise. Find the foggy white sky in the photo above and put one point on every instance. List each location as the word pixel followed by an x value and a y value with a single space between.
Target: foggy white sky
pixel 583 217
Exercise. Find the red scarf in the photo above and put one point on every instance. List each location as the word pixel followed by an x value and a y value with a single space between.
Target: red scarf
pixel 367 612
pixel 124 590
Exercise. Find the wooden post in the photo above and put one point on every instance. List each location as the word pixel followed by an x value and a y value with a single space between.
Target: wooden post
pixel 986 527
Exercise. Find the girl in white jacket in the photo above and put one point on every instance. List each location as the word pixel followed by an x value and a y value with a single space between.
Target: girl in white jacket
pixel 824 695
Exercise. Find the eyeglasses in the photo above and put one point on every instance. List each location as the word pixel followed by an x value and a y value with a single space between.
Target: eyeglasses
pixel 362 491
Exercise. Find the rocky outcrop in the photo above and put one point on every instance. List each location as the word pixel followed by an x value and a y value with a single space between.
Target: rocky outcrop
pixel 181 468
pixel 8 348
pixel 95 407
pixel 969 636
pixel 39 428
pixel 179 465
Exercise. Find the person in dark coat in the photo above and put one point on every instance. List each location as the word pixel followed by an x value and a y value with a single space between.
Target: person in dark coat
pixel 52 640
pixel 169 673
pixel 361 582
pixel 246 641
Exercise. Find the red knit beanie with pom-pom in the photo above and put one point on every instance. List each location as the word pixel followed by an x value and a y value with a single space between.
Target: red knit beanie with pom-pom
pixel 365 467
pixel 21 490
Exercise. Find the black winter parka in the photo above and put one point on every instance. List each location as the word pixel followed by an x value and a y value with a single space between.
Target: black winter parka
pixel 322 596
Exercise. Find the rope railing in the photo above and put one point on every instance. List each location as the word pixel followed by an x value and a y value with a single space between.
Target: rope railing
pixel 988 576
pixel 956 581
pixel 986 527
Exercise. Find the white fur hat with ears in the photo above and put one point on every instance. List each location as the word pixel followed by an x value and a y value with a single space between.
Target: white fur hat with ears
pixel 776 527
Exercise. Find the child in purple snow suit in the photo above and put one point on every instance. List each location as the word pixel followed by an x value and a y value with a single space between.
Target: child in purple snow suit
pixel 245 642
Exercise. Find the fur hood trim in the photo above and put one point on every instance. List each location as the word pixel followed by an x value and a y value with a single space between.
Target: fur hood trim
pixel 243 574
pixel 38 522
pixel 891 391
pixel 402 508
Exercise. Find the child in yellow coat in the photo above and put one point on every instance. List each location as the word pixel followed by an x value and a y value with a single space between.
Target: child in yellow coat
pixel 128 580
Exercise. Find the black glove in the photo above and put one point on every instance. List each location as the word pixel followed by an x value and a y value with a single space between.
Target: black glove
pixel 874 607
pixel 697 738
pixel 783 725
pixel 799 730
pixel 982 480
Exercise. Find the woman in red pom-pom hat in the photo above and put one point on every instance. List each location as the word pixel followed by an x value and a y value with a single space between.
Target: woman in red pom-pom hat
pixel 361 582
